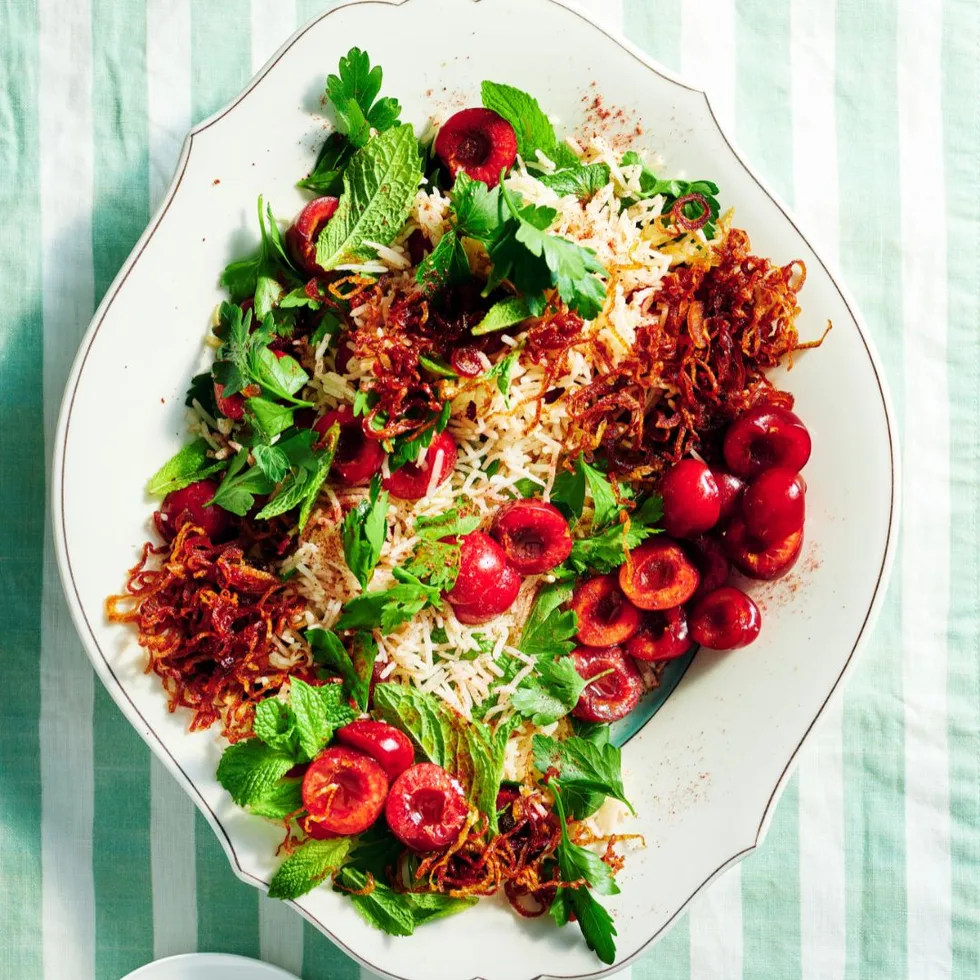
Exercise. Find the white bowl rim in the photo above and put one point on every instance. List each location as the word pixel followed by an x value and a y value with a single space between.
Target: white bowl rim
pixel 102 663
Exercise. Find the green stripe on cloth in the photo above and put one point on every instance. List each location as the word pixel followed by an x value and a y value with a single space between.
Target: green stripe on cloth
pixel 22 486
pixel 873 721
pixel 227 908
pixel 120 842
pixel 961 112
pixel 220 55
pixel 322 960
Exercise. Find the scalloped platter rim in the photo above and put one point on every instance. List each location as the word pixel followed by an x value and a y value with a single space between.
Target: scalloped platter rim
pixel 706 770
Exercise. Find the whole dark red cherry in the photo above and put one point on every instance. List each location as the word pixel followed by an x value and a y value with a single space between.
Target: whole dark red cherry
pixel 605 616
pixel 302 234
pixel 612 696
pixel 534 535
pixel 757 560
pixel 730 489
pixel 358 457
pixel 712 564
pixel 763 437
pixel 486 585
pixel 725 619
pixel 479 142
pixel 411 481
pixel 191 504
pixel 663 635
pixel 659 575
pixel 774 505
pixel 692 503
pixel 383 742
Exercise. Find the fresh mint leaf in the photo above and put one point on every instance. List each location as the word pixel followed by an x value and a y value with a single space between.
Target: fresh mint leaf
pixel 308 866
pixel 309 466
pixel 363 655
pixel 273 462
pixel 298 298
pixel 376 851
pixel 284 798
pixel 581 181
pixel 268 418
pixel 533 128
pixel 379 906
pixel 249 770
pixel 275 724
pixel 237 490
pixel 389 608
pixel 505 313
pixel 446 265
pixel 551 693
pixel 318 713
pixel 353 91
pixel 571 265
pixel 188 465
pixel 582 765
pixel 452 523
pixel 576 863
pixel 466 749
pixel 380 183
pixel 429 906
pixel 364 531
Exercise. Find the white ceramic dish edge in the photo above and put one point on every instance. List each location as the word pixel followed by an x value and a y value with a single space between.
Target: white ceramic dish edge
pixel 103 667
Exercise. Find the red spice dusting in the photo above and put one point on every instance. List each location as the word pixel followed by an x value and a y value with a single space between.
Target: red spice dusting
pixel 207 619
pixel 215 182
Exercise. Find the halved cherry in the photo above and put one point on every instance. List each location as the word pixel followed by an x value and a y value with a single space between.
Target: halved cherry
pixel 763 437
pixel 411 482
pixel 479 142
pixel 358 458
pixel 663 635
pixel 486 585
pixel 774 505
pixel 302 235
pixel 730 489
pixel 344 791
pixel 426 808
pixel 758 560
pixel 659 576
pixel 191 504
pixel 725 619
pixel 692 502
pixel 418 246
pixel 383 742
pixel 468 361
pixel 533 534
pixel 616 693
pixel 709 557
pixel 605 616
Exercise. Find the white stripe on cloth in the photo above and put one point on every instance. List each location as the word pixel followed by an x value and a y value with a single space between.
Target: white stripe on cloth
pixel 168 96
pixel 716 929
pixel 280 928
pixel 926 550
pixel 711 66
pixel 716 915
pixel 609 13
pixel 67 682
pixel 823 945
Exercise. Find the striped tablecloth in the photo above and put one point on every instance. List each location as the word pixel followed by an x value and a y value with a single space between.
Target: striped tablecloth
pixel 865 115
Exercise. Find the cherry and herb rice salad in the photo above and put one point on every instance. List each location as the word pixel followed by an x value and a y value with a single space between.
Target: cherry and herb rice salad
pixel 486 432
